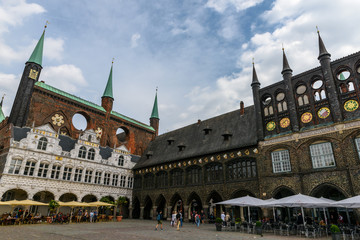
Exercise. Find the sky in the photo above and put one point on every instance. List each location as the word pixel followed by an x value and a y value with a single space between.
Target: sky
pixel 198 53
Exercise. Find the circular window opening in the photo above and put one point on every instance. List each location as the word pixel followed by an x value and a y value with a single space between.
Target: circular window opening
pixel 79 121
pixel 267 100
pixel 122 135
pixel 343 75
pixel 358 69
pixel 317 84
pixel 301 89
pixel 280 97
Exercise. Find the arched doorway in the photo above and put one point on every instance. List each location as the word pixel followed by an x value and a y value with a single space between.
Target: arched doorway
pixel 284 214
pixel 332 192
pixel 177 204
pixel 148 208
pixel 195 205
pixel 68 197
pixel 89 198
pixel 45 197
pixel 14 194
pixel 136 208
pixel 161 204
pixel 125 209
pixel 214 210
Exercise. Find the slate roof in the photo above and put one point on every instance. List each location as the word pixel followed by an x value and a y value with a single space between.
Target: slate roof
pixel 66 143
pixel 135 158
pixel 20 133
pixel 242 129
pixel 105 152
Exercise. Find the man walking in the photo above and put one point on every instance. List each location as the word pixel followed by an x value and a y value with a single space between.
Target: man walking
pixel 159 219
pixel 178 216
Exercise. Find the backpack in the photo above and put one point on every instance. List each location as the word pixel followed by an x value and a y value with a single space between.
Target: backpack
pixel 158 217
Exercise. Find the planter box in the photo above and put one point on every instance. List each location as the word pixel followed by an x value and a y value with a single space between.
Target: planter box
pixel 218 227
pixel 119 218
pixel 336 236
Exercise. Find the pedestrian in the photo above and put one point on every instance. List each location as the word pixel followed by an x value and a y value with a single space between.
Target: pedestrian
pixel 173 218
pixel 227 219
pixel 178 215
pixel 197 219
pixel 223 219
pixel 91 216
pixel 202 216
pixel 159 219
pixel 181 218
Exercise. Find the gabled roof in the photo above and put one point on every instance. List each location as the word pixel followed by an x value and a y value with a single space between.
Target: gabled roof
pixel 196 143
pixel 90 104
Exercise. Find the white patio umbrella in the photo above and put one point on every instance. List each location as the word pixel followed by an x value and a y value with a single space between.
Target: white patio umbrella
pixel 353 202
pixel 269 201
pixel 246 201
pixel 330 202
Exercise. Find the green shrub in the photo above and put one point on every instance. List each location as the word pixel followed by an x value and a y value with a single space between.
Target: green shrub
pixel 237 220
pixel 258 224
pixel 218 220
pixel 334 228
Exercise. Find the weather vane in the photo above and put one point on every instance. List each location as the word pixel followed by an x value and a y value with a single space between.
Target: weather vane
pixel 253 61
pixel 112 60
pixel 47 22
pixel 317 29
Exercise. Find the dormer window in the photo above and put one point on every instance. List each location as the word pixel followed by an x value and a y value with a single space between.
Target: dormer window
pixel 227 135
pixel 91 154
pixel 82 152
pixel 207 130
pixel 170 141
pixel 121 160
pixel 89 138
pixel 149 154
pixel 181 147
pixel 42 143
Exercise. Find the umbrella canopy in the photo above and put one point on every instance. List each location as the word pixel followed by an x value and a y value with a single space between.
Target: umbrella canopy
pixel 74 204
pixel 5 203
pixel 299 200
pixel 30 203
pixel 243 202
pixel 98 204
pixel 353 202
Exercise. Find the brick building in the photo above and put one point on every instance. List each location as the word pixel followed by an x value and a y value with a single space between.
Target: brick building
pixel 43 156
pixel 300 136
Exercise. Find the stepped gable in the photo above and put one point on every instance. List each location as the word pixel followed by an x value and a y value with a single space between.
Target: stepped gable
pixel 242 129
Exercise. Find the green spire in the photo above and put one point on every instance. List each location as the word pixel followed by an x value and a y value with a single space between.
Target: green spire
pixel 2 116
pixel 36 56
pixel 155 112
pixel 108 90
pixel 342 77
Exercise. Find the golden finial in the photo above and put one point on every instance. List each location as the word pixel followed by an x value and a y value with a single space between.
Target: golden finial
pixel 47 22
pixel 282 46
pixel 252 61
pixel 112 61
pixel 317 29
pixel 156 88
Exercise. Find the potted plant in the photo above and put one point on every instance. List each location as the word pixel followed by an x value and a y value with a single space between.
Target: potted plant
pixel 53 205
pixel 335 232
pixel 120 202
pixel 258 228
pixel 106 200
pixel 237 223
pixel 218 224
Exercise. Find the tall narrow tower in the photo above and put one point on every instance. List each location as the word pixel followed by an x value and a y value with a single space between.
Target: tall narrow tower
pixel 107 99
pixel 2 115
pixel 255 85
pixel 154 119
pixel 20 108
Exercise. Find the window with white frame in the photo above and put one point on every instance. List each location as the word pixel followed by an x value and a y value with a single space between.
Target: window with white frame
pixel 29 168
pixel 15 165
pixel 55 172
pixel 78 174
pixel 121 160
pixel 88 175
pixel 43 169
pixel 82 152
pixel 107 179
pixel 67 173
pixel 91 154
pixel 122 181
pixel 42 143
pixel 97 177
pixel 322 155
pixel 115 180
pixel 281 161
pixel 130 182
pixel 357 142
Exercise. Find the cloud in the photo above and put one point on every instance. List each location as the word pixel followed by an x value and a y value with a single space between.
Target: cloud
pixel 13 12
pixel 222 5
pixel 8 85
pixel 68 78
pixel 134 40
pixel 53 48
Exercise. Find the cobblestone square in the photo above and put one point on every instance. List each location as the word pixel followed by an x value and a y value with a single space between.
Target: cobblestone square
pixel 126 229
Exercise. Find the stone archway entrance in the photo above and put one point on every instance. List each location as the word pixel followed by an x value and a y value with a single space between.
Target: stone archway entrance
pixel 148 208
pixel 136 208
pixel 214 210
pixel 14 194
pixel 161 206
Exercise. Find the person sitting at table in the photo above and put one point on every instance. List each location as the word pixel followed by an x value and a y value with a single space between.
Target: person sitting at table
pixel 322 223
pixel 299 219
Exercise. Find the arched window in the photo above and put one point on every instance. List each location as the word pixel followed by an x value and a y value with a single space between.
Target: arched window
pixel 55 172
pixel 281 103
pixel 88 175
pixel 241 169
pixel 78 174
pixel 115 179
pixel 15 165
pixel 122 181
pixel 97 177
pixel 121 160
pixel 107 178
pixel 281 161
pixel 91 154
pixel 67 173
pixel 82 152
pixel 193 175
pixel 43 169
pixel 161 179
pixel 42 143
pixel 176 178
pixel 322 155
pixel 213 173
pixel 29 168
pixel 149 181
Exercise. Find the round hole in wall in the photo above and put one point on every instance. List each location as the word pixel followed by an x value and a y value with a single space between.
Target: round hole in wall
pixel 343 75
pixel 79 121
pixel 301 89
pixel 280 97
pixel 267 100
pixel 317 84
